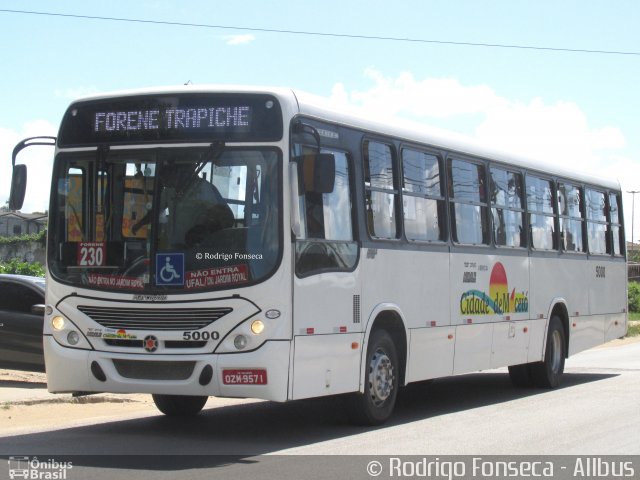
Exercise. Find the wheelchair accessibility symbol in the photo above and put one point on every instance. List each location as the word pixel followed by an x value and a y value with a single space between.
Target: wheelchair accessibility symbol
pixel 170 269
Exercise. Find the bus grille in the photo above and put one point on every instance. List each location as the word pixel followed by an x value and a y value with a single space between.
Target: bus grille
pixel 127 343
pixel 149 370
pixel 154 318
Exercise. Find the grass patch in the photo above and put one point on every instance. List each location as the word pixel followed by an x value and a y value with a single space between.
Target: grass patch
pixel 634 330
pixel 634 316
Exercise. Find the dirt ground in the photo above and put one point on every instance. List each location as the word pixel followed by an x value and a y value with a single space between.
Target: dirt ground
pixel 36 410
pixel 39 411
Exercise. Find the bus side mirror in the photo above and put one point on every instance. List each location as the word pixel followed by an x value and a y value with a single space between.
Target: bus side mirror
pixel 317 172
pixel 18 187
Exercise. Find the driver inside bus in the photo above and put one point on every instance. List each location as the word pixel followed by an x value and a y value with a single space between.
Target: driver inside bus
pixel 191 207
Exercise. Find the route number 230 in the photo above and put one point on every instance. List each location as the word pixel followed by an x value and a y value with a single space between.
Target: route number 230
pixel 91 254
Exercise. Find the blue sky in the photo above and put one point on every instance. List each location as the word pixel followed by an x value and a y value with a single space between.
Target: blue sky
pixel 576 108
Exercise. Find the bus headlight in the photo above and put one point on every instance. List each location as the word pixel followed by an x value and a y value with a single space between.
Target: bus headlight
pixel 240 342
pixel 257 327
pixel 73 338
pixel 58 323
pixel 66 333
pixel 246 337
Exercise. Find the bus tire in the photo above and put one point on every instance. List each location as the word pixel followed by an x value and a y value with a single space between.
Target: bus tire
pixel 179 405
pixel 548 373
pixel 520 375
pixel 375 405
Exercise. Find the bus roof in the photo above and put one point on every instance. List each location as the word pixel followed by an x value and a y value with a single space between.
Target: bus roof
pixel 418 133
pixel 412 132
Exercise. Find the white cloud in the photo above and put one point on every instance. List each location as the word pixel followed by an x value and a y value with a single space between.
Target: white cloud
pixel 38 159
pixel 556 131
pixel 418 99
pixel 239 39
pixel 559 132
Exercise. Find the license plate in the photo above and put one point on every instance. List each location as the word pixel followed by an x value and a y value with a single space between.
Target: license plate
pixel 244 377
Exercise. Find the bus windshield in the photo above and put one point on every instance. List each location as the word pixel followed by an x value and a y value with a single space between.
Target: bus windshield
pixel 170 220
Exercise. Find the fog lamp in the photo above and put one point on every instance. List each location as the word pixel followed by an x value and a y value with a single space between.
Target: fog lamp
pixel 73 338
pixel 57 322
pixel 240 342
pixel 257 327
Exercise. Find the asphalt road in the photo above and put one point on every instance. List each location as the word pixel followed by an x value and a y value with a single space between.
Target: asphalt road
pixel 595 412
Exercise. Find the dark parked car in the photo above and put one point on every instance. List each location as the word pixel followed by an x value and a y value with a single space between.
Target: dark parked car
pixel 21 319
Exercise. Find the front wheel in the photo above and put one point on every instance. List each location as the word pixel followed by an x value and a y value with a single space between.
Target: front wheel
pixel 375 405
pixel 548 373
pixel 179 405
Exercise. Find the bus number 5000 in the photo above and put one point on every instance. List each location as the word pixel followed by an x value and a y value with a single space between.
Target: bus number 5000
pixel 200 336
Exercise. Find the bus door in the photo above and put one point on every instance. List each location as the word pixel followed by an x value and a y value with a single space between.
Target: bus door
pixel 490 300
pixel 326 289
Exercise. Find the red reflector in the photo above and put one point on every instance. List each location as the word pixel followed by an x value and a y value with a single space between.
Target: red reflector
pixel 469 320
pixel 256 376
pixel 310 331
pixel 343 329
pixel 433 323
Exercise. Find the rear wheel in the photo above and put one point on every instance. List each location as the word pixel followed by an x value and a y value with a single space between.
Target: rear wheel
pixel 179 405
pixel 375 405
pixel 548 373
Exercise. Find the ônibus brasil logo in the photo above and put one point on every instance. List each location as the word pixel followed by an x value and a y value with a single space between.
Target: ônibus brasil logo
pixel 498 301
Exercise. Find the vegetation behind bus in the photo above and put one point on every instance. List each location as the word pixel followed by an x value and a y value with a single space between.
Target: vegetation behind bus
pixel 20 267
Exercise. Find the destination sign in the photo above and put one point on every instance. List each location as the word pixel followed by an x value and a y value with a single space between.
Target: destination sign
pixel 172 118
pixel 201 117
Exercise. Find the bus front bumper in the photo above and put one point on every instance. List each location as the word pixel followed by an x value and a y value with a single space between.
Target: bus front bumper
pixel 262 373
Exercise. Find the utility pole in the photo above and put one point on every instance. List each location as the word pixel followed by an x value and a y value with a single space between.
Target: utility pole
pixel 633 208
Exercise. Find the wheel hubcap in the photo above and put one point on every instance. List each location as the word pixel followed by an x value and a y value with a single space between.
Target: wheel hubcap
pixel 380 377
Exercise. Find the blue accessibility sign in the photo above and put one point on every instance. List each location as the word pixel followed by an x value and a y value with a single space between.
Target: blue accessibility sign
pixel 169 268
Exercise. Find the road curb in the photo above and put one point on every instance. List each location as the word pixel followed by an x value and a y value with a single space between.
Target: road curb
pixel 68 400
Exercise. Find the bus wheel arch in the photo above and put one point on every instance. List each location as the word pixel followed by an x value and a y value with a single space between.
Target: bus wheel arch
pixel 548 373
pixel 391 321
pixel 384 366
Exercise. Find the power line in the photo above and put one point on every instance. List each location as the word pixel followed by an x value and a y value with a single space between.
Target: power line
pixel 323 34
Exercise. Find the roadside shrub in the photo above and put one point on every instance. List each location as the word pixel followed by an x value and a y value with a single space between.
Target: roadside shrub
pixel 26 238
pixel 18 267
pixel 634 297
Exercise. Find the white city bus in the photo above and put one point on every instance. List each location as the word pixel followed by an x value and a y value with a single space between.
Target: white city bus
pixel 244 242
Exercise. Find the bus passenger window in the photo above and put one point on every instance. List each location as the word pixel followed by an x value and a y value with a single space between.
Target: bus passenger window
pixel 507 208
pixel 423 197
pixel 596 222
pixel 468 203
pixel 617 239
pixel 571 219
pixel 381 195
pixel 542 231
